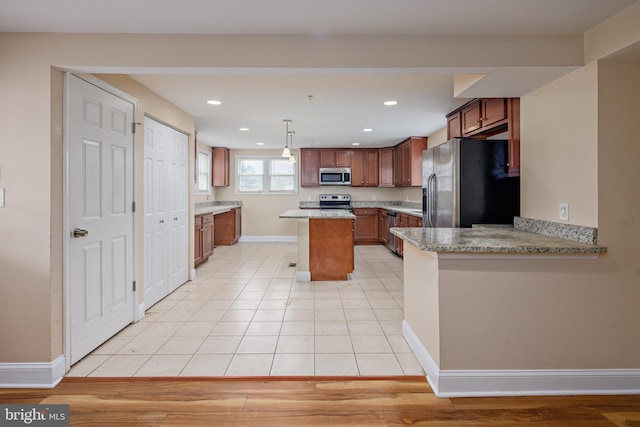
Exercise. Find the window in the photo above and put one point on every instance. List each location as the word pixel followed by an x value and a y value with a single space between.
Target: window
pixel 267 175
pixel 203 175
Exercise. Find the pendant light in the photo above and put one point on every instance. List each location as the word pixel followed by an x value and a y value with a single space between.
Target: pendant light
pixel 286 152
pixel 292 158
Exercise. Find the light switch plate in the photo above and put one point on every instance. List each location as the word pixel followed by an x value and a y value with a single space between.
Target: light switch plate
pixel 1 197
pixel 564 211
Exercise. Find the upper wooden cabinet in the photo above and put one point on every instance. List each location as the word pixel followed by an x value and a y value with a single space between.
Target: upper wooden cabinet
pixel 454 125
pixel 385 167
pixel 408 164
pixel 335 158
pixel 364 168
pixel 309 168
pixel 486 117
pixel 220 167
pixel 483 114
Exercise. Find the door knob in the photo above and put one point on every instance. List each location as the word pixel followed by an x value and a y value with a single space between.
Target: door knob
pixel 79 232
pixel 162 221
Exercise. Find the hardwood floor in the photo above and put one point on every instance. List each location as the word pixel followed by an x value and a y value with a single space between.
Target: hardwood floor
pixel 268 401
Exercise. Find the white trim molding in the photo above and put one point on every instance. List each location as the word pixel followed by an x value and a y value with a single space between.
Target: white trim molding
pixel 303 276
pixel 32 375
pixel 289 239
pixel 531 382
pixel 140 314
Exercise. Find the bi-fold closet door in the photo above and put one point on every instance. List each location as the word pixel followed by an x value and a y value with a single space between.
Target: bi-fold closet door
pixel 166 240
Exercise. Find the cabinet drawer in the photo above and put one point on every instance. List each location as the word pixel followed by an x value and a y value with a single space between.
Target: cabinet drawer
pixel 365 211
pixel 207 218
pixel 198 221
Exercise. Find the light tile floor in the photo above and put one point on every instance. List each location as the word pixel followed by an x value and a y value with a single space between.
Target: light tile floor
pixel 245 315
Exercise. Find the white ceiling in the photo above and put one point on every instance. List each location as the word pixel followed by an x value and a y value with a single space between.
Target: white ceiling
pixel 343 102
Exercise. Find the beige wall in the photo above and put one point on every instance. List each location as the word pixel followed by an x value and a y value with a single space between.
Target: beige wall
pixel 559 138
pixel 437 138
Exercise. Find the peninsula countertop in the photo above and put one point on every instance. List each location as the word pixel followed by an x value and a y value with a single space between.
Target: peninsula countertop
pixel 215 209
pixel 318 213
pixel 491 240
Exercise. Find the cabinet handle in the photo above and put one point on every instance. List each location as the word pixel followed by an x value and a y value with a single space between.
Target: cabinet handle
pixel 162 221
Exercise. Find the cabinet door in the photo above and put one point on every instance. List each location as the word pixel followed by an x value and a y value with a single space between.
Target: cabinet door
pixel 220 167
pixel 327 158
pixel 385 168
pixel 454 126
pixel 207 244
pixel 371 168
pixel 397 166
pixel 343 158
pixel 470 116
pixel 366 225
pixel 358 171
pixel 406 163
pixel 309 168
pixel 197 235
pixel 494 110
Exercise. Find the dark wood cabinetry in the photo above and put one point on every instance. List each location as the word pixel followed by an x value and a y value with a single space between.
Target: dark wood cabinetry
pixel 408 162
pixel 335 158
pixel 366 225
pixel 405 220
pixel 220 167
pixel 309 168
pixel 454 125
pixel 228 227
pixel 330 248
pixel 364 168
pixel 483 114
pixel 203 238
pixel 385 167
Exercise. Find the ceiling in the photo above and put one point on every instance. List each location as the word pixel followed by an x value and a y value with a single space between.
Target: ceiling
pixel 329 107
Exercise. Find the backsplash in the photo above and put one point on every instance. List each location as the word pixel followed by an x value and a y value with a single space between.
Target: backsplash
pixel 576 233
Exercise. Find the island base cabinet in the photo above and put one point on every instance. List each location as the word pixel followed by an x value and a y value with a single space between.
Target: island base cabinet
pixel 330 249
pixel 228 227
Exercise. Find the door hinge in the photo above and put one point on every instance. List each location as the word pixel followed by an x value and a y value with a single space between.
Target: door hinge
pixel 133 126
pixel 133 206
pixel 135 287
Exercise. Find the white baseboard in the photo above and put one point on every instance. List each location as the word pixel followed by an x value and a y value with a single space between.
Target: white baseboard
pixel 32 375
pixel 192 274
pixel 288 239
pixel 303 276
pixel 531 382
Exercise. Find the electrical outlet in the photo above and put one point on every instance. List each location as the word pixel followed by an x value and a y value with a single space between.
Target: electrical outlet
pixel 564 211
pixel 373 198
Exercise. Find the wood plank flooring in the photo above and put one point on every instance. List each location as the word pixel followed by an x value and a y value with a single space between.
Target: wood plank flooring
pixel 355 401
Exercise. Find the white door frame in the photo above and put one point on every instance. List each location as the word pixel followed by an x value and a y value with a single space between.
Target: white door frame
pixel 66 227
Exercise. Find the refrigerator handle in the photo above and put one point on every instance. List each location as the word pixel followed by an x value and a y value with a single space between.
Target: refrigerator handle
pixel 430 199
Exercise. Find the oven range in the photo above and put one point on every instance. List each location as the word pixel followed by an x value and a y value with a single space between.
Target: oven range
pixel 335 201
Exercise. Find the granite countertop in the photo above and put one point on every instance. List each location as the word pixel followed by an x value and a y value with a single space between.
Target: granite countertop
pixel 318 213
pixel 491 240
pixel 410 208
pixel 214 209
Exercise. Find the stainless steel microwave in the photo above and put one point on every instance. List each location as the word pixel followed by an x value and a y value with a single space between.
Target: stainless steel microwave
pixel 335 176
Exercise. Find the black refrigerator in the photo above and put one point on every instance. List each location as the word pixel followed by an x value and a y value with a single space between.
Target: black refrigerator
pixel 465 182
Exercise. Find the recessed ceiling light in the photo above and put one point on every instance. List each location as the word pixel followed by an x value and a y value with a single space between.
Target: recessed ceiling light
pixel 367 130
pixel 244 129
pixel 355 143
pixel 390 102
pixel 213 102
pixel 259 143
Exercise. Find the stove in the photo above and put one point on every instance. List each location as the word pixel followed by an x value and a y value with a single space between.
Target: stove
pixel 335 201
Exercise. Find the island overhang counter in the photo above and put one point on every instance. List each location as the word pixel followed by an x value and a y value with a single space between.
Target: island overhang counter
pixel 493 311
pixel 325 243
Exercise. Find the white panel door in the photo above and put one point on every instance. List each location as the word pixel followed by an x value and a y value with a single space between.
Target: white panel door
pixel 165 211
pixel 100 198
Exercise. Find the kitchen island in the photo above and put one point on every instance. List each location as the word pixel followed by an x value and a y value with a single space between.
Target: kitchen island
pixel 493 310
pixel 325 243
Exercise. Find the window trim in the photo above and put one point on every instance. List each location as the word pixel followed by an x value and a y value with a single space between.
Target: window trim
pixel 197 191
pixel 266 177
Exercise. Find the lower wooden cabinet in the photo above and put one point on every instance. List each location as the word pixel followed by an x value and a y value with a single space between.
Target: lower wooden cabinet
pixel 228 227
pixel 330 248
pixel 204 238
pixel 406 220
pixel 366 225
